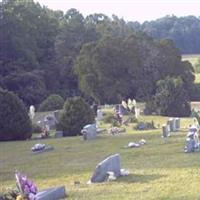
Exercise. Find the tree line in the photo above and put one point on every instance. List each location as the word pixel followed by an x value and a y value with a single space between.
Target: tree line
pixel 184 31
pixel 46 52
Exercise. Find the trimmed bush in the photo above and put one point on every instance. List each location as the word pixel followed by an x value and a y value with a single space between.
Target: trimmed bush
pixel 53 102
pixel 76 114
pixel 15 122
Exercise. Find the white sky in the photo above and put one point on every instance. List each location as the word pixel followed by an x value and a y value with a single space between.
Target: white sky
pixel 130 10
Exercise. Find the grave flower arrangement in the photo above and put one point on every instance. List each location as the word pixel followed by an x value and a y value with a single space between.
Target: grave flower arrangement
pixel 27 189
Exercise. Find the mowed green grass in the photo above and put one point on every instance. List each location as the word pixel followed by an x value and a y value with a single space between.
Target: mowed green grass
pixel 158 170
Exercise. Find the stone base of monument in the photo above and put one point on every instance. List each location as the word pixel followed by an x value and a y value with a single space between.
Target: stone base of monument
pixel 51 194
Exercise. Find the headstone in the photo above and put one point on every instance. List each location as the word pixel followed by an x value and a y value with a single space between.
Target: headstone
pixel 99 114
pixel 170 123
pixel 32 112
pixel 122 110
pixel 59 134
pixel 165 131
pixel 51 194
pixel 110 164
pixel 56 114
pixel 137 112
pixel 190 145
pixel 177 121
pixel 50 120
pixel 174 124
pixel 89 132
pixel 124 104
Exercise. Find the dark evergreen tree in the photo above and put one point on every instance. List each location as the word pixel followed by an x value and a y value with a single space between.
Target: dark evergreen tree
pixel 15 122
pixel 76 114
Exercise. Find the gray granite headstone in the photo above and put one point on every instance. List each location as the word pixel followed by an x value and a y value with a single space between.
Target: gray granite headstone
pixel 56 114
pixel 190 145
pixel 169 123
pixel 111 163
pixel 89 132
pixel 174 124
pixel 165 131
pixel 177 121
pixel 51 194
pixel 50 120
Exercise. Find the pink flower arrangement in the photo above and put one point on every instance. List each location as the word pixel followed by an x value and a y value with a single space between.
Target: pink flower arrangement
pixel 26 187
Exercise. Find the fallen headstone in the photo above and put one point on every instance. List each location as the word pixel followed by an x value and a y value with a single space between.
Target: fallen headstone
pixel 39 148
pixel 136 144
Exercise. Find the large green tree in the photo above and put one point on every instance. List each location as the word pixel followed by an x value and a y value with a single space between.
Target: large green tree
pixel 15 123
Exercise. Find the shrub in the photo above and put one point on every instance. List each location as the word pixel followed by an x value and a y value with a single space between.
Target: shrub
pixel 15 123
pixel 76 113
pixel 171 99
pixel 108 118
pixel 53 102
pixel 36 128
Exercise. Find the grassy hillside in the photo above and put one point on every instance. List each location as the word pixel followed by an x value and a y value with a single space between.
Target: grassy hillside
pixel 158 170
pixel 192 58
pixel 197 78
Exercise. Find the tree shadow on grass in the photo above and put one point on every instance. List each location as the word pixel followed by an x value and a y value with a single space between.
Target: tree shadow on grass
pixel 138 178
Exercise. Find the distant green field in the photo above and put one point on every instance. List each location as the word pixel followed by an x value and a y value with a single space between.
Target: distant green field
pixel 197 78
pixel 192 58
pixel 159 170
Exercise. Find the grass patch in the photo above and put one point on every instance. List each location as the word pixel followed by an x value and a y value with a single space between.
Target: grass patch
pixel 159 170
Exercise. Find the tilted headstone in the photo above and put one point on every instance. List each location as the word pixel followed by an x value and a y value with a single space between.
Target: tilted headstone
pixel 110 164
pixel 51 194
pixel 165 131
pixel 89 132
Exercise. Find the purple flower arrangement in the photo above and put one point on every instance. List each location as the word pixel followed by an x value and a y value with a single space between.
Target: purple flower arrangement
pixel 26 187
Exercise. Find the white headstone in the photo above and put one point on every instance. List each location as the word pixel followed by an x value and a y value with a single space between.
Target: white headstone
pixel 99 114
pixel 137 112
pixel 32 111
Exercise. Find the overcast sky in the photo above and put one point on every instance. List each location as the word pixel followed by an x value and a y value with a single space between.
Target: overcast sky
pixel 130 10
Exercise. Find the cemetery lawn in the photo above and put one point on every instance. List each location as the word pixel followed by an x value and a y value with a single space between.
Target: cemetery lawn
pixel 158 170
